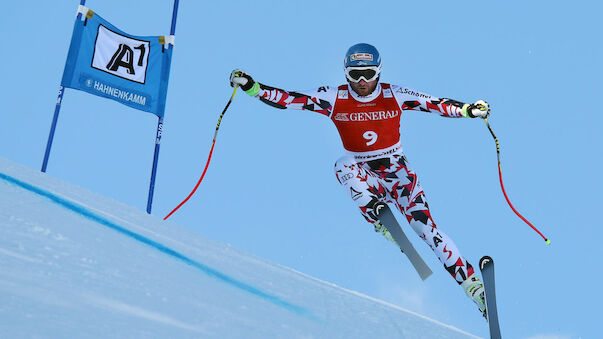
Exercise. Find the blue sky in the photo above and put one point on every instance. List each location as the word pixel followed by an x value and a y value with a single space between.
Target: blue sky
pixel 270 189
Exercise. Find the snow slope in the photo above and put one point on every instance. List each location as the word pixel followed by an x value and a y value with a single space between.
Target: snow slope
pixel 76 264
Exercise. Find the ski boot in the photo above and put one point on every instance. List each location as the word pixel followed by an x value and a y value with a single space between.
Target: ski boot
pixel 474 288
pixel 379 228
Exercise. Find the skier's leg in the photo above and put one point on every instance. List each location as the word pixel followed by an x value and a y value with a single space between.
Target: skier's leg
pixel 404 187
pixel 365 182
pixel 419 217
pixel 416 210
pixel 363 186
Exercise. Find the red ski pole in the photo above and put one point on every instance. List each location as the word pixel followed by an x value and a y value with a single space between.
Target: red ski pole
pixel 548 242
pixel 208 158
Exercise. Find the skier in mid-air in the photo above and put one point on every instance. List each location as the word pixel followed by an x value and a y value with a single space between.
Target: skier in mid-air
pixel 374 170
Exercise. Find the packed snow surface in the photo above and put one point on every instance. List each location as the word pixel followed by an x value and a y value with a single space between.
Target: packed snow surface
pixel 74 264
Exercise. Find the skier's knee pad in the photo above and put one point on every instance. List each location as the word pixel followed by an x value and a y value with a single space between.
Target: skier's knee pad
pixel 346 168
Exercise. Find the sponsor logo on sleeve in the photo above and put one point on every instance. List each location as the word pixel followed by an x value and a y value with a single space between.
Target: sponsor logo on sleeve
pixel 413 93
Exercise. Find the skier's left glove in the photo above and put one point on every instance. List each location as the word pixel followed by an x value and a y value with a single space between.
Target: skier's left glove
pixel 245 81
pixel 479 109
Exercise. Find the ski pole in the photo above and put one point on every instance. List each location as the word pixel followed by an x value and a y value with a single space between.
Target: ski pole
pixel 209 157
pixel 548 242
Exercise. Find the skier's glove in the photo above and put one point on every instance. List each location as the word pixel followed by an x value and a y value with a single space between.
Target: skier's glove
pixel 479 109
pixel 245 81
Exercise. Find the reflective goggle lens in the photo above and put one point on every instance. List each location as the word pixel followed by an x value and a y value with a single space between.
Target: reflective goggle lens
pixel 357 74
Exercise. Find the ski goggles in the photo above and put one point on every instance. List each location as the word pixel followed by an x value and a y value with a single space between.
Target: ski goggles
pixel 368 73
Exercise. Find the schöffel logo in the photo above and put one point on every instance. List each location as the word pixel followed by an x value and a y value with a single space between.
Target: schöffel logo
pixel 361 56
pixel 403 90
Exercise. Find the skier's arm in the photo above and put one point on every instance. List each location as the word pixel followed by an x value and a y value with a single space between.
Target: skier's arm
pixel 320 100
pixel 412 100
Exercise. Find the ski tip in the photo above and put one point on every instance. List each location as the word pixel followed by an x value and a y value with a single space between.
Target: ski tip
pixel 547 241
pixel 484 261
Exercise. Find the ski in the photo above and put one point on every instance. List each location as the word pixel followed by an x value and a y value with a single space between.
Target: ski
pixel 389 221
pixel 486 265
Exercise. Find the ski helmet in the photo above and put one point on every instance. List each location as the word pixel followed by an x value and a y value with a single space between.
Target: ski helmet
pixel 362 61
pixel 361 55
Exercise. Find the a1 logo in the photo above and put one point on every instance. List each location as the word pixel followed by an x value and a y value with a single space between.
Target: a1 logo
pixel 120 55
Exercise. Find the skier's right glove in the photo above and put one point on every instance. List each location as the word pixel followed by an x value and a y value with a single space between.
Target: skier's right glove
pixel 245 81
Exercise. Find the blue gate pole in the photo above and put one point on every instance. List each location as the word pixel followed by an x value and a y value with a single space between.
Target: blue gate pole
pixel 55 118
pixel 160 125
pixel 155 160
pixel 57 109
